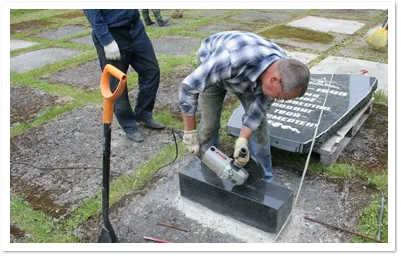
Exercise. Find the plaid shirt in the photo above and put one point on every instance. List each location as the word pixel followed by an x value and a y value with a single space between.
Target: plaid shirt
pixel 234 61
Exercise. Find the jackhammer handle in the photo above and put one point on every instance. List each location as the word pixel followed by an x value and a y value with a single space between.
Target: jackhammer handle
pixel 242 153
pixel 108 96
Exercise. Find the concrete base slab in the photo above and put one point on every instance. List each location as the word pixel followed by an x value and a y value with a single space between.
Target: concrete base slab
pixel 75 139
pixel 40 58
pixel 226 26
pixel 341 65
pixel 310 45
pixel 18 44
pixel 328 25
pixel 87 40
pixel 349 14
pixel 262 16
pixel 174 45
pixel 61 32
pixel 198 13
pixel 26 103
pixel 303 57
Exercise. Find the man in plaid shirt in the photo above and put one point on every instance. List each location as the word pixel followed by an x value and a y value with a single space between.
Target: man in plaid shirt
pixel 258 72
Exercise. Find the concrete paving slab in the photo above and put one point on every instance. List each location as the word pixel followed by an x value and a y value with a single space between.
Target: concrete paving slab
pixel 61 32
pixel 26 103
pixel 18 44
pixel 171 24
pixel 226 26
pixel 74 139
pixel 328 25
pixel 198 13
pixel 40 58
pixel 349 14
pixel 175 45
pixel 138 215
pixel 310 45
pixel 303 57
pixel 262 16
pixel 342 65
pixel 87 40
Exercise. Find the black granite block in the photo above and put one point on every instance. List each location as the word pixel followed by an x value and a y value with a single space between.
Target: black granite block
pixel 257 203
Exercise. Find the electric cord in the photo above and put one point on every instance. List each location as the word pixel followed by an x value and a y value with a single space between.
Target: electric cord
pixel 84 167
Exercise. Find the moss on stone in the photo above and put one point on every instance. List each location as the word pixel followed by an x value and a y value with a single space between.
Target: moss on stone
pixel 284 31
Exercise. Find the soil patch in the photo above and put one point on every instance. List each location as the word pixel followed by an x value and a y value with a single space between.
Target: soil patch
pixel 369 147
pixel 75 139
pixel 28 25
pixel 71 15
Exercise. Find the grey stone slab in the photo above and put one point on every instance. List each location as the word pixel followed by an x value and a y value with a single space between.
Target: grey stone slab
pixel 342 65
pixel 262 16
pixel 310 45
pixel 303 57
pixel 327 25
pixel 26 103
pixel 75 139
pixel 87 40
pixel 175 45
pixel 199 13
pixel 18 44
pixel 349 14
pixel 61 32
pixel 226 26
pixel 39 58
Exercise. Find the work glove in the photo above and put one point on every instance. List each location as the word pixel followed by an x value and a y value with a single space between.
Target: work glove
pixel 241 143
pixel 191 141
pixel 112 52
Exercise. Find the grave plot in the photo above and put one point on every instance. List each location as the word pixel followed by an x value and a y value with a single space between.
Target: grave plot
pixel 84 76
pixel 328 25
pixel 18 44
pixel 175 45
pixel 27 103
pixel 265 17
pixel 362 15
pixel 74 139
pixel 226 26
pixel 138 214
pixel 40 58
pixel 86 40
pixel 61 32
pixel 302 38
pixel 342 65
pixel 28 25
pixel 359 49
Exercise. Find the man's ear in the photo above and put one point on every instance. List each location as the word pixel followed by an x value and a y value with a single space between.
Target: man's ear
pixel 275 79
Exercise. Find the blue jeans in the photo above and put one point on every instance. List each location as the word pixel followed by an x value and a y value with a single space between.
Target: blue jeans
pixel 259 143
pixel 136 50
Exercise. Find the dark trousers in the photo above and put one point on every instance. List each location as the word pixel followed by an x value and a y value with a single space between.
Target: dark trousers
pixel 136 50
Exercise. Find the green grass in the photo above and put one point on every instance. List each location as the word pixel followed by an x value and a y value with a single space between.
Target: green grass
pixel 380 97
pixel 22 15
pixel 283 31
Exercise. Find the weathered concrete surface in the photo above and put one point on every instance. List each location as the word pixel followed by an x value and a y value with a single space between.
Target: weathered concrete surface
pixel 341 65
pixel 349 14
pixel 199 13
pixel 225 26
pixel 26 103
pixel 18 44
pixel 75 139
pixel 311 45
pixel 303 57
pixel 39 58
pixel 262 16
pixel 175 45
pixel 61 32
pixel 137 216
pixel 327 25
pixel 87 40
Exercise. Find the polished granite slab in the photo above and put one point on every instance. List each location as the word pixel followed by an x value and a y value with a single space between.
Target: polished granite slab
pixel 259 204
pixel 292 123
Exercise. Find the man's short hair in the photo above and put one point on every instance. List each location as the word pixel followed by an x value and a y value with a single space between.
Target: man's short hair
pixel 293 74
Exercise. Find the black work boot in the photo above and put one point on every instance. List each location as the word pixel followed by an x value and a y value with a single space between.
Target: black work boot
pixel 151 123
pixel 159 18
pixel 146 17
pixel 135 136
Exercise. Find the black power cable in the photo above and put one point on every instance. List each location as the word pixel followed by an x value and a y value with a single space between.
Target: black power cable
pixel 61 168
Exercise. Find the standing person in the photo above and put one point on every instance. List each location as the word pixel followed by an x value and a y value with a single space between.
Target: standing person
pixel 258 72
pixel 121 40
pixel 158 16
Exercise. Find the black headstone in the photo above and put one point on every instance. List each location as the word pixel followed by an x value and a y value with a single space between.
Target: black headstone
pixel 257 203
pixel 292 123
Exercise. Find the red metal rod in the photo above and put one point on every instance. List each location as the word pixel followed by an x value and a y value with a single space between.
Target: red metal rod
pixel 157 240
pixel 323 223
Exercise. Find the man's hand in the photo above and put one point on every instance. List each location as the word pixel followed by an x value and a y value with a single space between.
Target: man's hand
pixel 191 141
pixel 112 51
pixel 241 143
